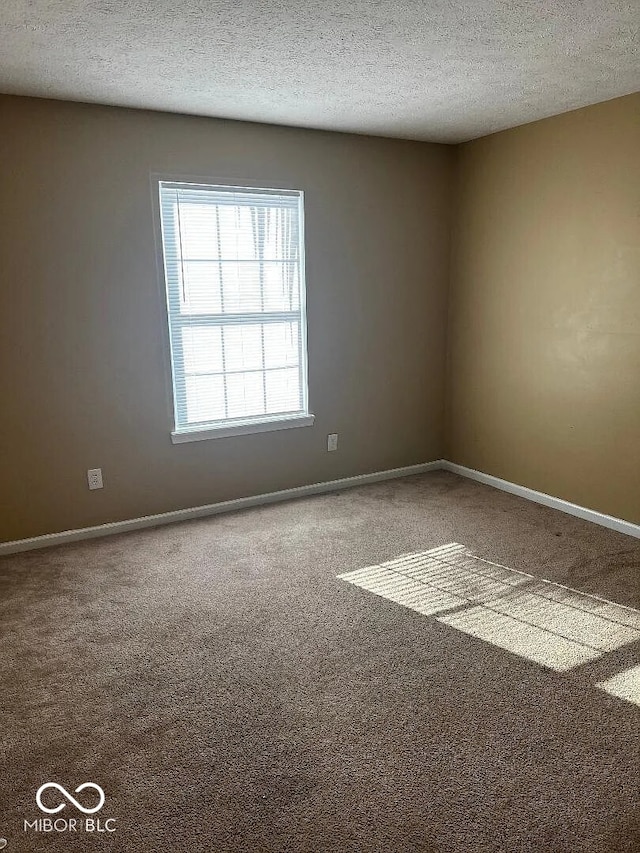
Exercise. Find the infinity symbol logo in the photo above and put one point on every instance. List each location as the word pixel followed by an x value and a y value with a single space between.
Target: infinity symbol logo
pixel 69 797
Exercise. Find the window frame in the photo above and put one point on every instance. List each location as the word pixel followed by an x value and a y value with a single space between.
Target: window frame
pixel 229 426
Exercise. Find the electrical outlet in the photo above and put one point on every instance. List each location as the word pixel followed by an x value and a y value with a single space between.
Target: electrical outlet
pixel 332 441
pixel 94 478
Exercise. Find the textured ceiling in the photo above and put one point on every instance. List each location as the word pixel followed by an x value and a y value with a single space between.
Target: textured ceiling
pixel 445 70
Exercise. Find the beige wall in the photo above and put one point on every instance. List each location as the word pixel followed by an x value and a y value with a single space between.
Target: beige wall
pixel 543 368
pixel 82 378
pixel 544 348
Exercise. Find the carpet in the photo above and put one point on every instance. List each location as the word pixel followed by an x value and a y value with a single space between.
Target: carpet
pixel 231 690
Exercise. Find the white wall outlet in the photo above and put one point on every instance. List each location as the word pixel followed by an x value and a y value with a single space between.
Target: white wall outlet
pixel 332 441
pixel 94 478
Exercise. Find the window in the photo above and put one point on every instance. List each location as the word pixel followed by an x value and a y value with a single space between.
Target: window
pixel 234 272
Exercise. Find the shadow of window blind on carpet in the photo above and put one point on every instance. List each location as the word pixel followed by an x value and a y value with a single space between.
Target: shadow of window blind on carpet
pixel 544 622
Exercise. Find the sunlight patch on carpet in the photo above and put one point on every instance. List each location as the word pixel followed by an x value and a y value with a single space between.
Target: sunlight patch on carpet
pixel 624 685
pixel 549 624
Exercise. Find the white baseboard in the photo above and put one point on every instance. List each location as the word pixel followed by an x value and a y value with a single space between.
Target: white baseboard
pixel 547 500
pixel 114 527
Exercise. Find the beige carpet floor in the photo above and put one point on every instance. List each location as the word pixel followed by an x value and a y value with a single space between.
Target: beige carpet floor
pixel 231 694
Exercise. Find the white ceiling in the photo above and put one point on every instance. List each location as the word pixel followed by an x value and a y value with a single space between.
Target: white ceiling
pixel 440 70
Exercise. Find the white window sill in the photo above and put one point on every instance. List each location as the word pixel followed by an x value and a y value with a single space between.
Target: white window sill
pixel 181 436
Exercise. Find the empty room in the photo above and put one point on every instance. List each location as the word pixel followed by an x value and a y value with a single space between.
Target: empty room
pixel 320 457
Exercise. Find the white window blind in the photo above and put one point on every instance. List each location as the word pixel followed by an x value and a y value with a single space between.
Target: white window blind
pixel 234 271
